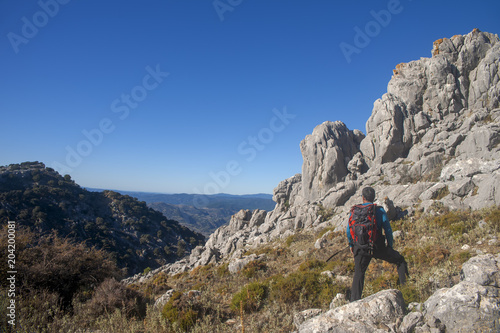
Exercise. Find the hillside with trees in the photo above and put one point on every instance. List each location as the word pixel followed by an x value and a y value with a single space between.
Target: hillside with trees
pixel 135 236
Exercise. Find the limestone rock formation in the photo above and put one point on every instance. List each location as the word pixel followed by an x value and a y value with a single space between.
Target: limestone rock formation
pixel 326 153
pixel 434 137
pixel 431 94
pixel 376 313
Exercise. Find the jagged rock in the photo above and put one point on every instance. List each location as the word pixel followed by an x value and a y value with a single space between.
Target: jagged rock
pixel 356 166
pixel 163 299
pixel 474 303
pixel 433 191
pixel 237 265
pixel 376 313
pixel 323 240
pixel 302 316
pixel 339 300
pixel 386 139
pixel 411 321
pixel 467 306
pixel 483 270
pixel 288 190
pixel 464 75
pixel 339 194
pixel 326 153
pixel 462 187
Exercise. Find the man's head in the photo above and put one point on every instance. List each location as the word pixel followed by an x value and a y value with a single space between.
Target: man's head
pixel 368 194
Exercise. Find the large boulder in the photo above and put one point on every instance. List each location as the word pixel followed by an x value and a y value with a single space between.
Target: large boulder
pixel 473 305
pixel 377 313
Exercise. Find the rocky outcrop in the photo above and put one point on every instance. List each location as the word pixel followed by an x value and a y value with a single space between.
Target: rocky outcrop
pixel 434 137
pixel 376 313
pixel 431 94
pixel 473 305
pixel 326 153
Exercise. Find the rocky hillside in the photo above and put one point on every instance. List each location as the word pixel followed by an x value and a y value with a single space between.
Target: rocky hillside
pixel 432 141
pixel 138 237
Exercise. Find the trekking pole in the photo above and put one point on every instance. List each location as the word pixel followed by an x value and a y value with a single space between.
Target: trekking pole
pixel 333 255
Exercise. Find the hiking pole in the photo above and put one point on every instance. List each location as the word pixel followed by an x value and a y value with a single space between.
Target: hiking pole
pixel 333 255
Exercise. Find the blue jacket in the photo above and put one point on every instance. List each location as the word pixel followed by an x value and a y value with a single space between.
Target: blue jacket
pixel 382 223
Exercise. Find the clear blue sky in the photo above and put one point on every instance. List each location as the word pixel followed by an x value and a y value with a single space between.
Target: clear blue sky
pixel 201 96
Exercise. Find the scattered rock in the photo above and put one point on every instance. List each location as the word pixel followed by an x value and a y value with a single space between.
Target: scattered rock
pixel 163 299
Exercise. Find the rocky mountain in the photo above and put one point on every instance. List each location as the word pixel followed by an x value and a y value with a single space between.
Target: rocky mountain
pixel 137 237
pixel 431 141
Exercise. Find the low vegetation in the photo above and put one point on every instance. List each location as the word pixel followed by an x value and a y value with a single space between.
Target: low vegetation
pixel 289 276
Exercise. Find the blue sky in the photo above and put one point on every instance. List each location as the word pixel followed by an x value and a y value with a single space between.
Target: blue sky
pixel 201 96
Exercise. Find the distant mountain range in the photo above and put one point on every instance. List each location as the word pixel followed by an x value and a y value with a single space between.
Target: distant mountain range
pixel 202 213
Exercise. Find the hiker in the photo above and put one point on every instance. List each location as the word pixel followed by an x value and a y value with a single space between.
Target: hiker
pixel 366 244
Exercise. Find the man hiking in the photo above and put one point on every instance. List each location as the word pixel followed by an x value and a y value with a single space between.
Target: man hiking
pixel 364 233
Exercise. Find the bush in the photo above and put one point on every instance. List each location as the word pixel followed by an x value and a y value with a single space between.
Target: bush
pixel 183 309
pixel 250 297
pixel 310 288
pixel 251 269
pixel 456 222
pixel 60 266
pixel 112 295
pixel 312 265
pixel 493 219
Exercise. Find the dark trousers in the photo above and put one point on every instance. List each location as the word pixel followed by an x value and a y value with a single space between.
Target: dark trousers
pixel 362 260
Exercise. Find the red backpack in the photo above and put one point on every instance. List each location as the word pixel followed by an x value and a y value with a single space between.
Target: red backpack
pixel 363 226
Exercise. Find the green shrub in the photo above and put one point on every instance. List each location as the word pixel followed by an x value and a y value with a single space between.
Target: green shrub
pixel 310 288
pixel 312 265
pixel 251 269
pixel 410 293
pixel 290 239
pixel 181 310
pixel 250 297
pixel 460 257
pixel 493 219
pixel 456 222
pixel 325 213
pixel 223 270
